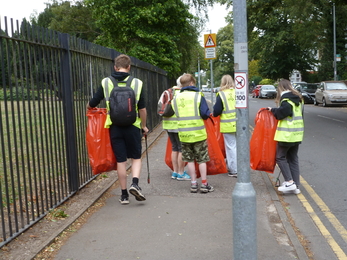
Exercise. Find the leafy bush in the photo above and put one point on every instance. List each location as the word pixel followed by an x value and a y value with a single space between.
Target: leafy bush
pixel 266 82
pixel 20 94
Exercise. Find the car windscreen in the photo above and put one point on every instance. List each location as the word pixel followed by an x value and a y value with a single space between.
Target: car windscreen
pixel 268 87
pixel 336 85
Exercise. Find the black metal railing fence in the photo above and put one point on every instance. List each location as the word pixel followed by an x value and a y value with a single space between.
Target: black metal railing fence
pixel 46 80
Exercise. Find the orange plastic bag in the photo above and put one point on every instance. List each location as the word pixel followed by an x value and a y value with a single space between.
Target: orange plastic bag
pixel 262 144
pixel 219 135
pixel 100 153
pixel 168 159
pixel 217 164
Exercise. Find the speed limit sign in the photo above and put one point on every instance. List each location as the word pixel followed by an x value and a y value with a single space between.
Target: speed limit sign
pixel 241 89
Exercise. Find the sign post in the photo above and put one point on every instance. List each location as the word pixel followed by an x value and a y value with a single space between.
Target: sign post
pixel 243 198
pixel 210 54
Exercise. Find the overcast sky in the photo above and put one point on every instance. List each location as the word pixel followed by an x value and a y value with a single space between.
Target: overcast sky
pixel 18 9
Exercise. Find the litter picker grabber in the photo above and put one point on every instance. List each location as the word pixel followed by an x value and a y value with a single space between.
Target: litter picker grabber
pixel 148 177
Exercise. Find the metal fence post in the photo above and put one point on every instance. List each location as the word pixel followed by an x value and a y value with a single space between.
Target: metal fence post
pixel 69 113
pixel 243 196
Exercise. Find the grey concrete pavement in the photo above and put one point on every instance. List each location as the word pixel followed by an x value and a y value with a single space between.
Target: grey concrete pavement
pixel 176 224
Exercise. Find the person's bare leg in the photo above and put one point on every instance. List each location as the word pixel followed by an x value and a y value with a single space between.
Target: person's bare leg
pixel 174 159
pixel 203 171
pixel 136 167
pixel 122 175
pixel 180 163
pixel 191 171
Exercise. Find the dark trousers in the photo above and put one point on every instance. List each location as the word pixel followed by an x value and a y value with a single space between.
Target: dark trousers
pixel 288 161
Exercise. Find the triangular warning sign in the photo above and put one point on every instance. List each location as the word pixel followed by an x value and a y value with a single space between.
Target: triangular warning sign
pixel 210 42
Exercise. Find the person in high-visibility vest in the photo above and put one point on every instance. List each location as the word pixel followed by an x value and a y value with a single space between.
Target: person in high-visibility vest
pixel 225 107
pixel 170 124
pixel 126 140
pixel 289 134
pixel 191 109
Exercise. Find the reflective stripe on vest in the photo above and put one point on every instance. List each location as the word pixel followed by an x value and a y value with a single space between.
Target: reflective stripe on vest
pixel 191 127
pixel 171 123
pixel 291 129
pixel 107 84
pixel 228 116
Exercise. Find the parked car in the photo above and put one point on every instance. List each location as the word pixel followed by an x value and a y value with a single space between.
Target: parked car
pixel 255 91
pixel 267 91
pixel 307 90
pixel 331 93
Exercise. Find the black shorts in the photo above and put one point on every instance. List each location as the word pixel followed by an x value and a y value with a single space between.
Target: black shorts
pixel 126 142
pixel 175 141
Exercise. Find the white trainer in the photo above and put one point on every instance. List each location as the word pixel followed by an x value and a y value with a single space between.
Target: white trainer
pixel 296 191
pixel 287 186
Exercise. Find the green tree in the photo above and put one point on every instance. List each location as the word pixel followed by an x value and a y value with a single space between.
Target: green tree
pixel 159 32
pixel 286 35
pixel 74 19
pixel 224 64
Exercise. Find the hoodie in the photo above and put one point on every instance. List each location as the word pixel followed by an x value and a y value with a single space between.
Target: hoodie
pixel 204 110
pixel 285 109
pixel 99 95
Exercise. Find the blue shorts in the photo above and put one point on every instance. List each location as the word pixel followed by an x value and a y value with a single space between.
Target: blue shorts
pixel 126 142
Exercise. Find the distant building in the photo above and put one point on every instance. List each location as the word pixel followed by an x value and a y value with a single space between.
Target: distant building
pixel 295 76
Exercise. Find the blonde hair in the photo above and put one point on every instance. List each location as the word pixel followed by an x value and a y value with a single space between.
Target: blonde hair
pixel 285 85
pixel 227 82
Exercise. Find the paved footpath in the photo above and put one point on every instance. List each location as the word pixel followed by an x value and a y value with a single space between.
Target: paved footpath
pixel 174 224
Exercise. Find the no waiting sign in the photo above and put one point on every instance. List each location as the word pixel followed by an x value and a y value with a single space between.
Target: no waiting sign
pixel 241 89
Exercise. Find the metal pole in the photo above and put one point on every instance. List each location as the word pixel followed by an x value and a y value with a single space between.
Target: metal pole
pixel 199 80
pixel 243 196
pixel 212 85
pixel 334 29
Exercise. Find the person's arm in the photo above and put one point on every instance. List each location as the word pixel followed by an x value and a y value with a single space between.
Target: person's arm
pixel 143 117
pixel 283 111
pixel 96 99
pixel 218 107
pixel 204 110
pixel 141 105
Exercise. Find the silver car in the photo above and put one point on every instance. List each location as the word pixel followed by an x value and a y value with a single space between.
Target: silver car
pixel 267 91
pixel 331 93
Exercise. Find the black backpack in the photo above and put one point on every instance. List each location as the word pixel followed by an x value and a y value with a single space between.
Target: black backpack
pixel 122 103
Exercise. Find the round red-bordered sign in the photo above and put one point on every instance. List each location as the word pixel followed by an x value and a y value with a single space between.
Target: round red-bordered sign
pixel 240 82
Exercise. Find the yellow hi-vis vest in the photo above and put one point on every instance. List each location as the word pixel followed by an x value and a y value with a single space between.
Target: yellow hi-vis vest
pixel 228 116
pixel 291 128
pixel 191 127
pixel 171 123
pixel 107 84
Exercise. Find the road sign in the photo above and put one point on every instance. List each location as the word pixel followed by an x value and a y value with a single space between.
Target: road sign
pixel 210 43
pixel 241 89
pixel 210 53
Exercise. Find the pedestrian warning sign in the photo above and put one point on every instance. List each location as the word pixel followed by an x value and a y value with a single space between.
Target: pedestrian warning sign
pixel 210 40
pixel 210 46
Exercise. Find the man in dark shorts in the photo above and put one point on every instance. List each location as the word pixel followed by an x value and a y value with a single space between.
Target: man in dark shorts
pixel 125 140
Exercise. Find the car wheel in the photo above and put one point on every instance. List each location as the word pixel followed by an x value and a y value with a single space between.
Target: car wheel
pixel 324 103
pixel 315 102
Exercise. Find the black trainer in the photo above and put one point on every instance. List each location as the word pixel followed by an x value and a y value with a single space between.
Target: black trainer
pixel 124 199
pixel 136 191
pixel 206 188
